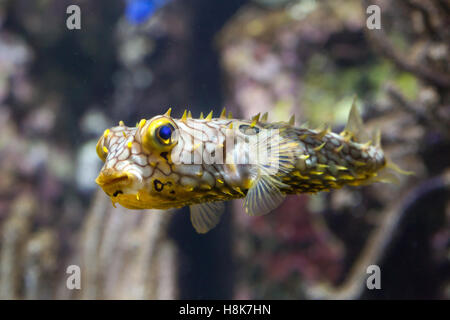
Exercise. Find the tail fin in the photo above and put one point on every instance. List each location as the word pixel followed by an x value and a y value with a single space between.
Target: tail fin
pixel 355 130
pixel 388 173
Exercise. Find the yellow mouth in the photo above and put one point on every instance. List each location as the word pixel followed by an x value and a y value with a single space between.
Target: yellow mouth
pixel 113 182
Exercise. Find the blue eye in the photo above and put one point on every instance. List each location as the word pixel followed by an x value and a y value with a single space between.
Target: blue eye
pixel 165 132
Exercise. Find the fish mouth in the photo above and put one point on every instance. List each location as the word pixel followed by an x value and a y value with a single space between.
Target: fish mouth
pixel 113 182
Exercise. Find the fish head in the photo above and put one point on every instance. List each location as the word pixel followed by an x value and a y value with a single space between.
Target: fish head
pixel 166 163
pixel 137 171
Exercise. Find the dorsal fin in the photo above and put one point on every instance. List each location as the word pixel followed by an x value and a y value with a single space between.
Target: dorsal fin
pixel 355 126
pixel 168 112
pixel 209 116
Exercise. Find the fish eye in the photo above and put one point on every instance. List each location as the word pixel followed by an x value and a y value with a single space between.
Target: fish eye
pixel 159 134
pixel 165 132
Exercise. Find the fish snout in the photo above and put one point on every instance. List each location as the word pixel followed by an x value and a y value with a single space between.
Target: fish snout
pixel 113 182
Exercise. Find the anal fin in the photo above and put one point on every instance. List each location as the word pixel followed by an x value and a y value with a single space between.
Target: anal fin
pixel 206 216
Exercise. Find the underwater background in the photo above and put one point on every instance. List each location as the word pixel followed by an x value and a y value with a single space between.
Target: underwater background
pixel 60 89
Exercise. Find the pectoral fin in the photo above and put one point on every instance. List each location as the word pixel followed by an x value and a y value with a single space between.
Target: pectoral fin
pixel 206 216
pixel 263 196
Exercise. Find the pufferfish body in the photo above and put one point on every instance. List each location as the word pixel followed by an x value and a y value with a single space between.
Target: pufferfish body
pixel 167 163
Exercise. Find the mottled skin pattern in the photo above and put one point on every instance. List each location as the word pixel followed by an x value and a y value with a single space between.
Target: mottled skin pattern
pixel 140 173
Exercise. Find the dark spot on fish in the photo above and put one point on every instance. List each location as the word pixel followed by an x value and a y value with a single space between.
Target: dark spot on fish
pixel 164 155
pixel 172 192
pixel 159 186
pixel 248 130
pixel 117 193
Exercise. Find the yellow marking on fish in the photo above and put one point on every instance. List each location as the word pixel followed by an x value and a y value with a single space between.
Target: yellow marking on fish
pixel 142 123
pixel 366 145
pixel 322 133
pixel 359 163
pixel 223 114
pixel 298 174
pixel 227 191
pixel 239 190
pixel 184 117
pixel 320 147
pixel 255 120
